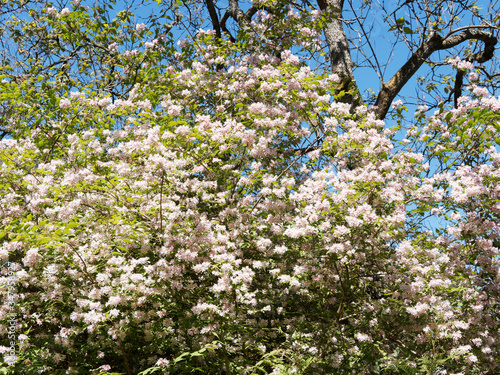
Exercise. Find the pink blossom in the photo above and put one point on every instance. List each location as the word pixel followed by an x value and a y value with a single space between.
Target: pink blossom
pixel 473 76
pixel 183 130
pixel 65 103
pixel 52 11
pixel 398 103
pixel 140 27
pixel 460 64
pixel 162 362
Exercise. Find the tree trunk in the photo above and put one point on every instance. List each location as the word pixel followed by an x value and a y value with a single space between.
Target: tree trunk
pixel 340 51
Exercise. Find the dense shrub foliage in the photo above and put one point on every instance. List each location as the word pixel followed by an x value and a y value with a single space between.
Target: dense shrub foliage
pixel 192 227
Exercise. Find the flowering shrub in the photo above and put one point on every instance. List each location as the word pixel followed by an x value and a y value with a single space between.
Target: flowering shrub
pixel 193 228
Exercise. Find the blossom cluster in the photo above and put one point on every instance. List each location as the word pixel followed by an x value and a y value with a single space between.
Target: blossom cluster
pixel 242 211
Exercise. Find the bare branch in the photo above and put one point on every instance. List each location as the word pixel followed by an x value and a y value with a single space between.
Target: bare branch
pixel 223 21
pixel 214 18
pixel 457 90
pixel 434 43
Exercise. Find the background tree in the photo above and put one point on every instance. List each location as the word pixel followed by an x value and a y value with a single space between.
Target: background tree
pixel 351 35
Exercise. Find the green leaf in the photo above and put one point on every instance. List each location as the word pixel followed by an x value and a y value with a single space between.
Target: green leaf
pixel 72 225
pixel 181 358
pixel 400 21
pixel 149 370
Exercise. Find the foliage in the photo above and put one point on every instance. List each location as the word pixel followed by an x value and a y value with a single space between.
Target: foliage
pixel 228 213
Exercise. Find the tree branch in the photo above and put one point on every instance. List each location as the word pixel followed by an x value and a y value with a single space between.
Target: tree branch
pixel 214 18
pixel 433 44
pixel 457 90
pixel 243 19
pixel 223 21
